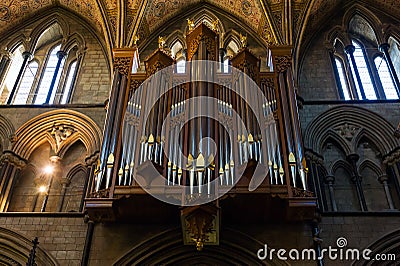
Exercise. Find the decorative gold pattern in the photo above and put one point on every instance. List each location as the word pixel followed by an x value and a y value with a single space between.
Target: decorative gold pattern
pixel 200 225
pixel 159 11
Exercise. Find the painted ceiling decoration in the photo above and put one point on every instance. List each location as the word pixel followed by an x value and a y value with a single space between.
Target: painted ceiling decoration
pixel 120 21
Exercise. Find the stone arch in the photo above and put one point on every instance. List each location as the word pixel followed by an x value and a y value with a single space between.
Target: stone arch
pixel 209 17
pixel 340 164
pixel 167 248
pixel 332 135
pixel 391 31
pixel 75 180
pixel 15 42
pixel 372 124
pixel 387 244
pixel 6 132
pixel 73 40
pixel 195 11
pixel 76 169
pixel 368 16
pixel 231 36
pixel 15 248
pixel 38 31
pixel 370 164
pixel 337 33
pixel 38 129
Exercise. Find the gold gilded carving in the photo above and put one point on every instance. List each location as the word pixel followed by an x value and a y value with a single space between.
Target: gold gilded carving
pixel 200 225
pixel 214 25
pixel 190 24
pixel 243 40
pixel 161 42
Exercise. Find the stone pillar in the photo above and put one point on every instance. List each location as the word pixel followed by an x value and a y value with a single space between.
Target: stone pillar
pixel 4 62
pixel 384 48
pixel 60 56
pixel 27 57
pixel 330 180
pixel 350 51
pixel 383 180
pixel 352 159
pixel 11 164
pixel 314 161
pixel 64 184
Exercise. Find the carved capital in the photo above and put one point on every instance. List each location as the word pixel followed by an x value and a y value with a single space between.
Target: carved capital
pixel 330 179
pixel 65 182
pixel 392 158
pixel 13 159
pixel 383 178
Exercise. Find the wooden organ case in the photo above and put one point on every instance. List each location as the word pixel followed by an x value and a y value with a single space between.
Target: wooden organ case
pixel 210 145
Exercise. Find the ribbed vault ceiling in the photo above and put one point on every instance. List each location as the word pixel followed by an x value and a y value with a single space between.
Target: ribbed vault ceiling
pixel 277 21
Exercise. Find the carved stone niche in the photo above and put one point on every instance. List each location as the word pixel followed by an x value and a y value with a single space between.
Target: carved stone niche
pixel 200 225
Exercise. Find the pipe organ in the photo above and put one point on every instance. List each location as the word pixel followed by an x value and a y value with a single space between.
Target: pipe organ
pixel 188 138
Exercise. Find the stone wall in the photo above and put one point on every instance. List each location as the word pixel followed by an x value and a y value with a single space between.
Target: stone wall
pixel 62 236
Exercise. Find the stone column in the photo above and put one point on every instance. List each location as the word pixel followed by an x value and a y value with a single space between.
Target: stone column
pixel 383 180
pixel 60 56
pixel 27 57
pixel 384 48
pixel 353 158
pixel 330 180
pixel 64 184
pixel 4 62
pixel 350 51
pixel 11 166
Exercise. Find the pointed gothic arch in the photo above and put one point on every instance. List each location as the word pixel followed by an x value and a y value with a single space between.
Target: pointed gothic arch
pixel 39 129
pixel 372 125
pixel 6 132
pixel 367 15
pixel 15 249
pixel 167 248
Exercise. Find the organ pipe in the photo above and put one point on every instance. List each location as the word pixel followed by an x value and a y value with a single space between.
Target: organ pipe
pixel 162 123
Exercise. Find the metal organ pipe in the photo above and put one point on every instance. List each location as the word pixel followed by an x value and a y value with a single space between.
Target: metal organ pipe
pixel 255 139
